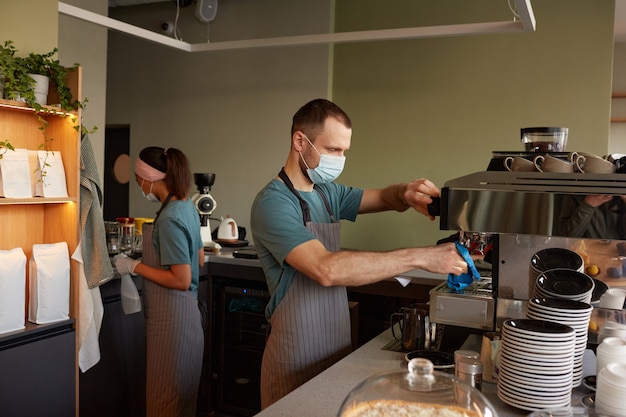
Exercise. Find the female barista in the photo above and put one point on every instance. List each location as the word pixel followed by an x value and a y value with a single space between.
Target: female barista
pixel 174 335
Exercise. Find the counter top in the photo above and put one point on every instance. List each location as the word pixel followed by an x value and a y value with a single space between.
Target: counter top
pixel 225 256
pixel 322 396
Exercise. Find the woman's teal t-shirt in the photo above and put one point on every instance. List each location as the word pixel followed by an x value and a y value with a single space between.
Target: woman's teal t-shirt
pixel 176 237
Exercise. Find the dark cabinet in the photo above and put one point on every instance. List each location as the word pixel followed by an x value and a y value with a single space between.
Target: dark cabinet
pixel 236 336
pixel 37 376
pixel 116 386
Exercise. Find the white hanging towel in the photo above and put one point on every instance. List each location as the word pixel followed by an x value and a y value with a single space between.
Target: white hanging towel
pixel 90 316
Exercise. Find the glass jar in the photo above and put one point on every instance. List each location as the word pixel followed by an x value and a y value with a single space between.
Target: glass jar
pixel 544 139
pixel 420 391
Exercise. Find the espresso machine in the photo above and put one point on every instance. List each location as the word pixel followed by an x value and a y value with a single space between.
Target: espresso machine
pixel 205 205
pixel 520 212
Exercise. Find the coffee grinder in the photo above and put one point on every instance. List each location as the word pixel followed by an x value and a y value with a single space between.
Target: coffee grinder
pixel 205 205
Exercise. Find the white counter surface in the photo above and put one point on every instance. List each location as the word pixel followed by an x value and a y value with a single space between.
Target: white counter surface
pixel 322 396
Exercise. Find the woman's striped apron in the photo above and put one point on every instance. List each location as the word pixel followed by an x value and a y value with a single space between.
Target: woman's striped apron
pixel 174 344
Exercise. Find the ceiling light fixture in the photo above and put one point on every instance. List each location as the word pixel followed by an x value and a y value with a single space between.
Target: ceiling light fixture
pixel 524 10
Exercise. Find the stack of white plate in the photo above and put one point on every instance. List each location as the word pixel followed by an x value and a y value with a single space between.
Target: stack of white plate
pixel 575 314
pixel 536 363
pixel 566 284
pixel 552 258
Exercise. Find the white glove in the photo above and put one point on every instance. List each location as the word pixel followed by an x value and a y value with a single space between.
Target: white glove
pixel 125 265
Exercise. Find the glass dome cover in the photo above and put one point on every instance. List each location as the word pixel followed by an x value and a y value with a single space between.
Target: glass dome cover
pixel 419 392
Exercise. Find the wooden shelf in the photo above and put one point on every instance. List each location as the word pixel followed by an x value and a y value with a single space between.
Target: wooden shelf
pixel 36 200
pixel 38 220
pixel 50 110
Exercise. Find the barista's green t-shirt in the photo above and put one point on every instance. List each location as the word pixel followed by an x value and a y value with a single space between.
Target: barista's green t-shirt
pixel 278 227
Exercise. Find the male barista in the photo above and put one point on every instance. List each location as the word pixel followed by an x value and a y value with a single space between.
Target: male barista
pixel 295 226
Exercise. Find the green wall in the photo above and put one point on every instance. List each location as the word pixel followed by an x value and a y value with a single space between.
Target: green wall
pixel 436 108
pixel 31 25
pixel 431 108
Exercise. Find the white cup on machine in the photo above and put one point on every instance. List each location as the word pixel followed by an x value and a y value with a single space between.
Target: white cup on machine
pixel 549 163
pixel 594 164
pixel 517 163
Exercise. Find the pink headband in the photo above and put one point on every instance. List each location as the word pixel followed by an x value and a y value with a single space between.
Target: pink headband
pixel 147 172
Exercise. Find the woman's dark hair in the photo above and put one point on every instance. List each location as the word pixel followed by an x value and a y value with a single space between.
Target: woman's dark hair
pixel 174 164
pixel 310 118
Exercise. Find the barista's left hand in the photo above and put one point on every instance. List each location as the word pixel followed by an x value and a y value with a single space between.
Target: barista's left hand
pixel 418 195
pixel 125 265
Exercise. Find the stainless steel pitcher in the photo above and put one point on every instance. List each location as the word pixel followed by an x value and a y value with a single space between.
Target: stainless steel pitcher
pixel 415 328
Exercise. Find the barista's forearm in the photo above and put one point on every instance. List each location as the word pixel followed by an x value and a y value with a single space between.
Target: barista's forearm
pixel 353 268
pixel 389 198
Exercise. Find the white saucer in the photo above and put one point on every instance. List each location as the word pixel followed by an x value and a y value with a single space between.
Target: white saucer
pixel 531 405
pixel 562 382
pixel 559 305
pixel 560 369
pixel 512 352
pixel 534 345
pixel 547 379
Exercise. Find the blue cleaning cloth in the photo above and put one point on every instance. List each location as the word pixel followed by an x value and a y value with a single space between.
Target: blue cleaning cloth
pixel 459 282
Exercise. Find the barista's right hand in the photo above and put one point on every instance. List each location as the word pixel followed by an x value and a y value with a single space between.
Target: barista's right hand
pixel 597 200
pixel 443 259
pixel 125 265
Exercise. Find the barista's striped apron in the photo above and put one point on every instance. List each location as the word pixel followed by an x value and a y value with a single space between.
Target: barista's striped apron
pixel 310 328
pixel 174 344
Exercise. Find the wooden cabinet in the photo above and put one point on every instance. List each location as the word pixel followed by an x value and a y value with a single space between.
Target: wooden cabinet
pixel 28 221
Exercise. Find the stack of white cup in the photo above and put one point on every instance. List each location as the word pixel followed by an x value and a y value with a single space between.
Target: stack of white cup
pixel 611 390
pixel 612 329
pixel 613 298
pixel 611 350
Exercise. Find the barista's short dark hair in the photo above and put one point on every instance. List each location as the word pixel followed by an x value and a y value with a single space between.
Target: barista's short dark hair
pixel 310 118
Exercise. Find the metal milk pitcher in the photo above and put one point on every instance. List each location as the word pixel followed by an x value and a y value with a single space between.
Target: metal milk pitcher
pixel 414 328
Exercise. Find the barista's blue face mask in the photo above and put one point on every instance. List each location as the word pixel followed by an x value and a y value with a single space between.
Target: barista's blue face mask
pixel 328 169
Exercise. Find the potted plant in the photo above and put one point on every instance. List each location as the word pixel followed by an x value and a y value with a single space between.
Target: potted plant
pixel 8 65
pixel 45 65
pixel 20 77
pixel 4 147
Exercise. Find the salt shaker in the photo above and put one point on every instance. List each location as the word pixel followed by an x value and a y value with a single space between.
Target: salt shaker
pixel 469 371
pixel 465 354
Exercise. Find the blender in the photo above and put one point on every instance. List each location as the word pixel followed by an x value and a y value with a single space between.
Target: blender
pixel 126 235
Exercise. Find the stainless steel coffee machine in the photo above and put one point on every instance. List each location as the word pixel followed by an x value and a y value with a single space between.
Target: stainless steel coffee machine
pixel 521 211
pixel 473 306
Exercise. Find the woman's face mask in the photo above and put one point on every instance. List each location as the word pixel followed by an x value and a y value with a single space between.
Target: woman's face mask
pixel 328 169
pixel 150 197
